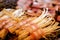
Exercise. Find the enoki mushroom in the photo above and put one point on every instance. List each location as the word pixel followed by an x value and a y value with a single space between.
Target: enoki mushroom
pixel 27 28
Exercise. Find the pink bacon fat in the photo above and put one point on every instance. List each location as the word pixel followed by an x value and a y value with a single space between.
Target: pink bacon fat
pixel 24 22
pixel 10 24
pixel 31 27
pixel 5 21
pixel 18 25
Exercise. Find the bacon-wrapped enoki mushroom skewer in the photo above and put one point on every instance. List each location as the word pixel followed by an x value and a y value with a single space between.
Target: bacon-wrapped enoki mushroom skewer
pixel 45 22
pixel 33 20
pixel 18 25
pixel 4 20
pixel 4 31
pixel 39 19
pixel 38 33
pixel 29 29
pixel 15 14
pixel 31 26
pixel 42 32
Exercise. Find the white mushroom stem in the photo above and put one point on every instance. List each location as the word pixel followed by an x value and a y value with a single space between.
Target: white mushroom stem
pixel 39 18
pixel 1 14
pixel 18 13
pixel 51 28
pixel 10 14
pixel 43 21
pixel 48 22
pixel 4 17
pixel 42 16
